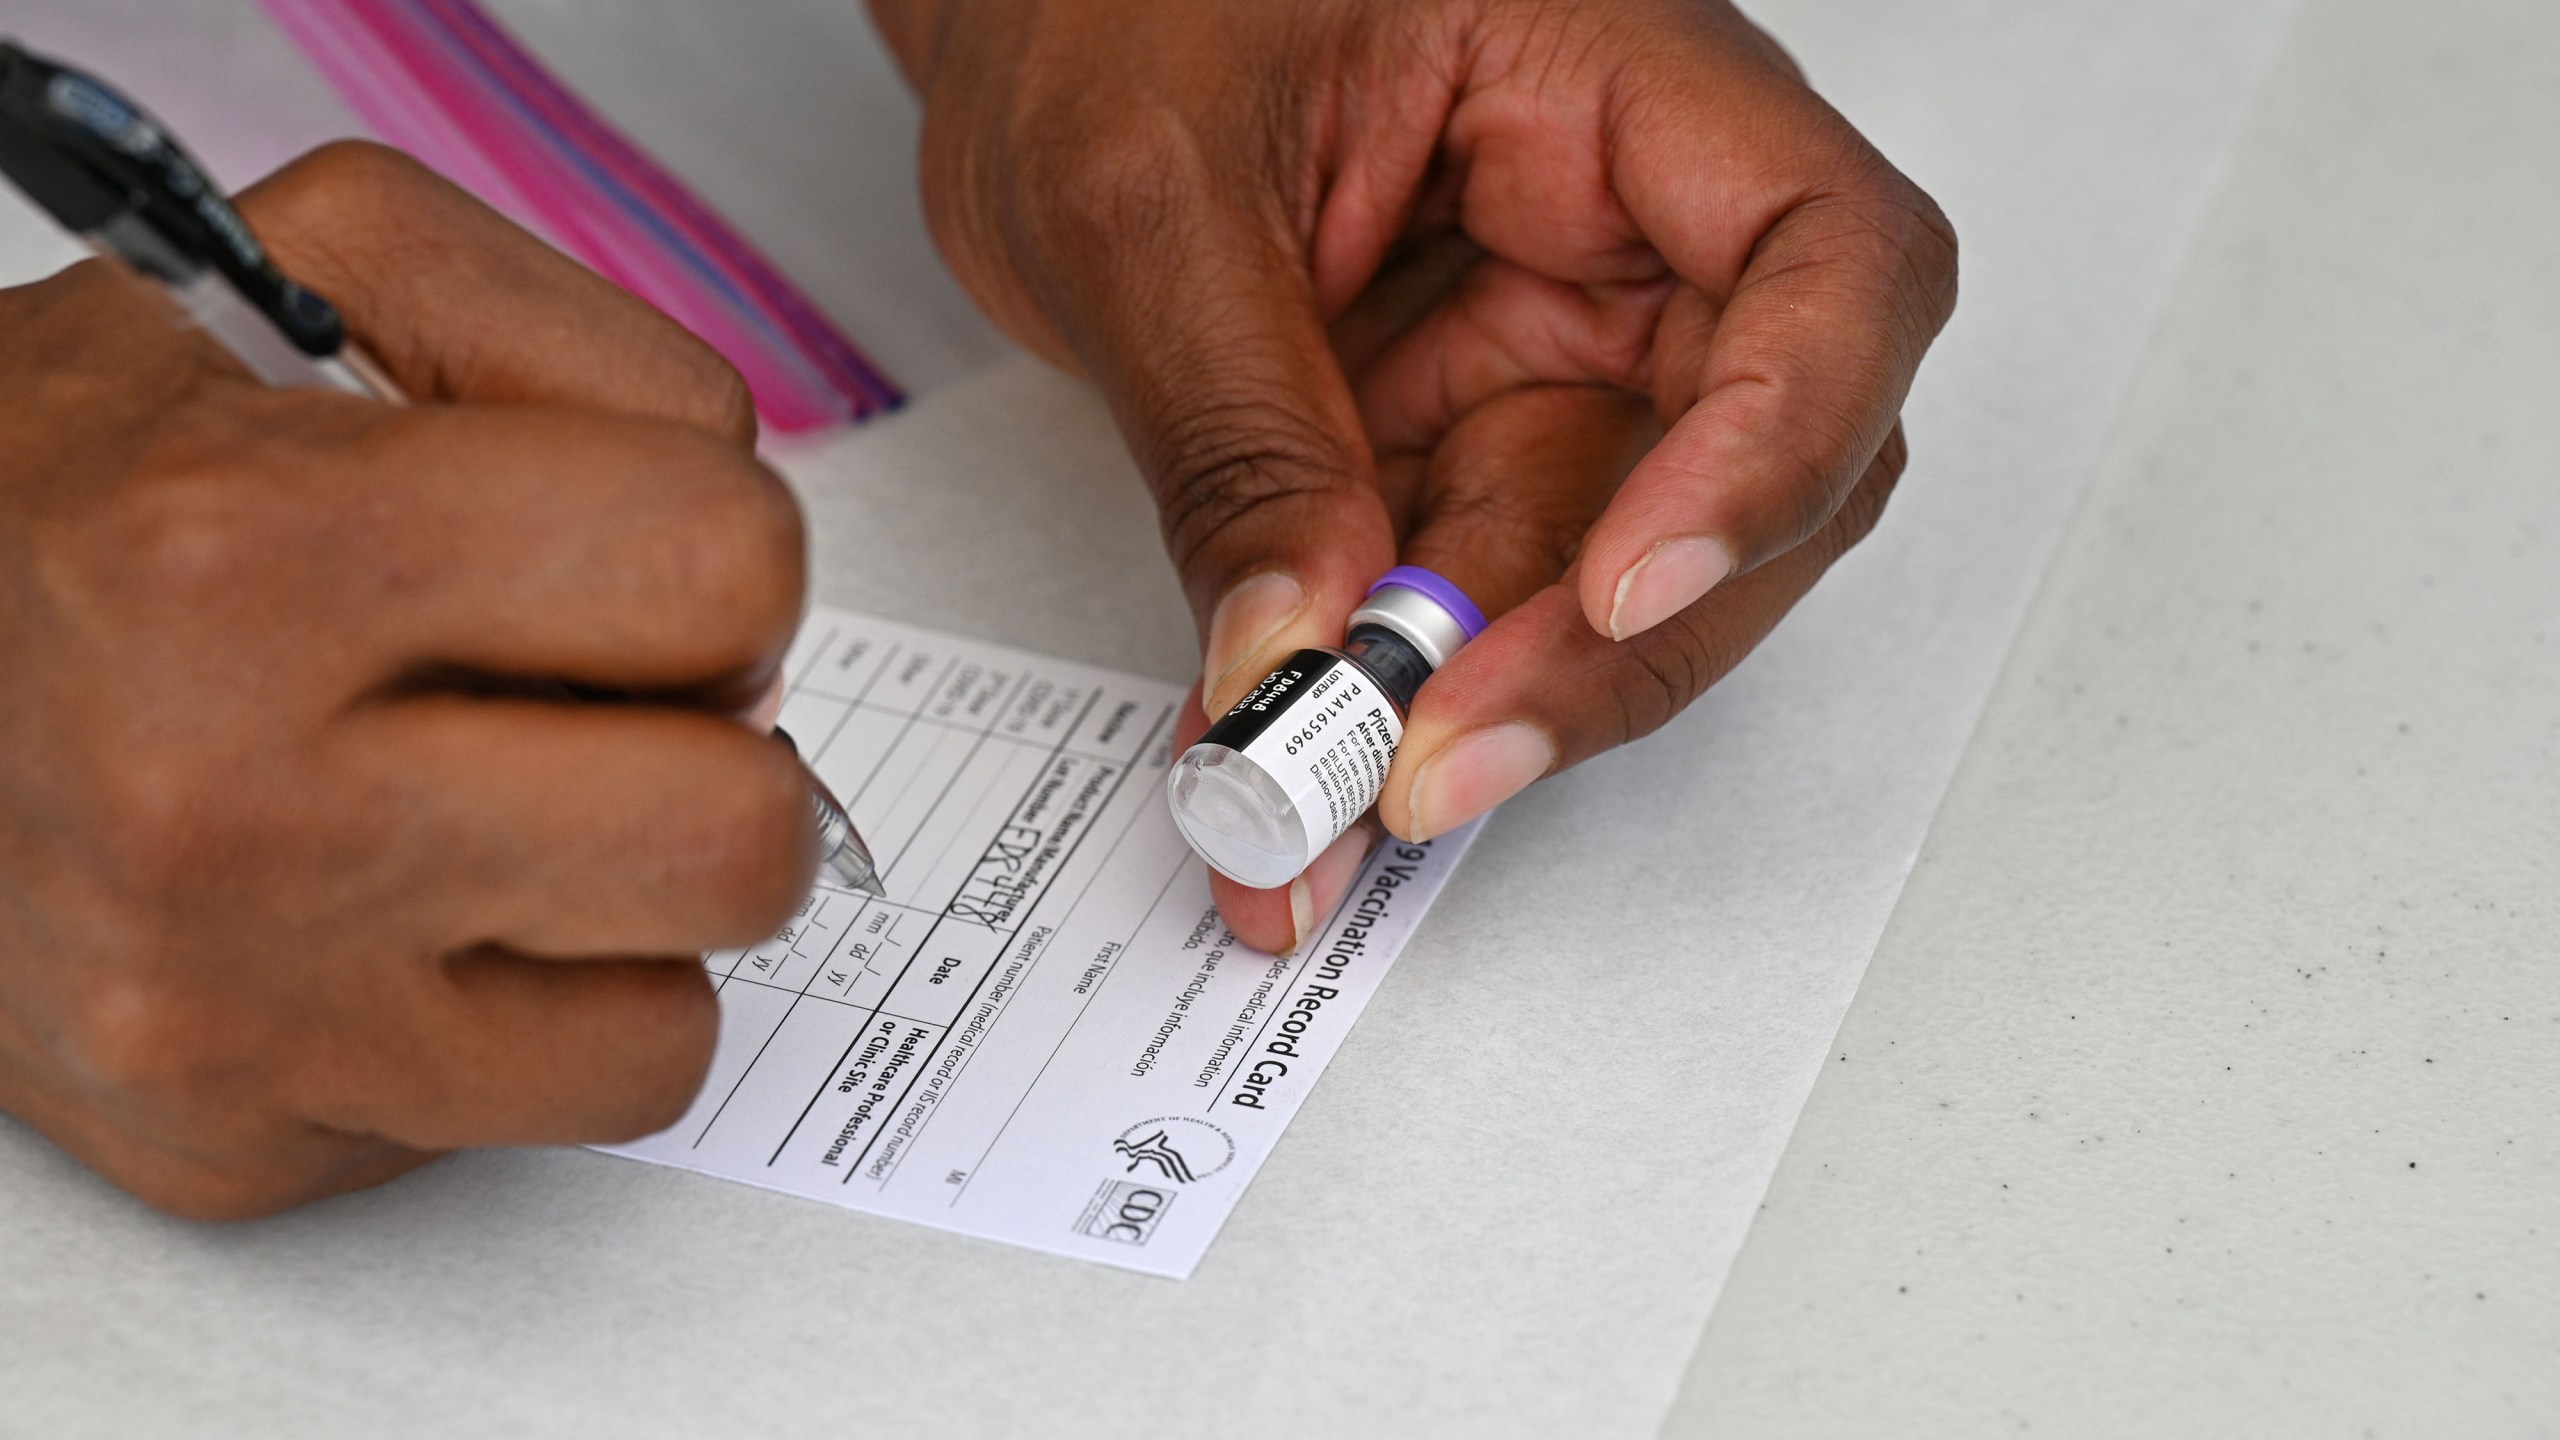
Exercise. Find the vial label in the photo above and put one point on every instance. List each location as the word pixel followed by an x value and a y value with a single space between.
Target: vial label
pixel 1324 732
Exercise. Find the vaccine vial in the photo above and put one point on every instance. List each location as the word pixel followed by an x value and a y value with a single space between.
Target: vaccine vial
pixel 1303 756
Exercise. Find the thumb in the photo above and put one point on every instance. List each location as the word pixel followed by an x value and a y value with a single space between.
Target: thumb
pixel 1199 320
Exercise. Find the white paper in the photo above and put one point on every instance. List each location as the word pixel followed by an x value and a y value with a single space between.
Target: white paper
pixel 1044 1034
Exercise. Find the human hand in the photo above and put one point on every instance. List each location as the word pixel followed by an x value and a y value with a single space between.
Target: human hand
pixel 1594 308
pixel 308 875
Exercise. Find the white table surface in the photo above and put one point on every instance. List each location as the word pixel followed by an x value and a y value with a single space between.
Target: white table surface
pixel 2207 1082
pixel 556 1292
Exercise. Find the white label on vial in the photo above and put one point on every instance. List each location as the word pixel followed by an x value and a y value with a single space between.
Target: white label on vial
pixel 1322 729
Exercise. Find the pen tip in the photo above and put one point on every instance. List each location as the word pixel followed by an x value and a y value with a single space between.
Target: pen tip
pixel 852 872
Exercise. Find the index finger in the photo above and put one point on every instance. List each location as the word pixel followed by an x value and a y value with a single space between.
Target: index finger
pixel 407 547
pixel 1782 387
pixel 460 303
pixel 1539 692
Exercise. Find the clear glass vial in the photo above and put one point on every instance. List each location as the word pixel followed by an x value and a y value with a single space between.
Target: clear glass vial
pixel 1306 753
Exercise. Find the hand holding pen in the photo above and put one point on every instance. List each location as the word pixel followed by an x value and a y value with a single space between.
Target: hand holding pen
pixel 107 172
pixel 304 884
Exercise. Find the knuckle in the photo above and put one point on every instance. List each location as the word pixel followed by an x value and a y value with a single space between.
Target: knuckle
pixel 1666 668
pixel 350 179
pixel 753 844
pixel 1127 177
pixel 1933 232
pixel 739 544
pixel 193 533
pixel 138 1039
pixel 1523 532
pixel 192 541
pixel 1219 462
pixel 1864 508
pixel 1927 242
pixel 157 821
pixel 1881 226
pixel 727 406
pixel 1813 483
pixel 690 382
pixel 674 1008
pixel 1807 475
pixel 1911 238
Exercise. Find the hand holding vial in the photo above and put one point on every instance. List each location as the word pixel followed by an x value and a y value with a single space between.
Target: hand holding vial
pixel 1598 311
pixel 1302 757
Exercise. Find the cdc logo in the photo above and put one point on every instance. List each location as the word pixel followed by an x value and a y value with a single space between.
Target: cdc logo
pixel 1124 1211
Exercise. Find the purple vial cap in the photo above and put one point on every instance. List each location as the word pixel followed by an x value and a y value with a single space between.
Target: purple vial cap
pixel 1441 593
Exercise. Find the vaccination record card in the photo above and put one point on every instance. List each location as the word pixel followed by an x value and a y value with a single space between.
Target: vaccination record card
pixel 1044 1035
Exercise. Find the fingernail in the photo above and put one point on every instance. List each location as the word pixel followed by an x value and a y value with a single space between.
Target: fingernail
pixel 1476 772
pixel 1668 580
pixel 1241 628
pixel 768 707
pixel 1313 894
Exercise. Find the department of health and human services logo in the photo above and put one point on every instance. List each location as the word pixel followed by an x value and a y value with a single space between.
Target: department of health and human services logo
pixel 1174 1150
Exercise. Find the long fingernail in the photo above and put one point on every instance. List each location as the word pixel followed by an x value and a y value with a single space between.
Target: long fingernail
pixel 1314 893
pixel 1668 580
pixel 1243 626
pixel 1476 772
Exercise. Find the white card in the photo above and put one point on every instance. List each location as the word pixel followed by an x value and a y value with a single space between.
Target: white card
pixel 1045 1035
